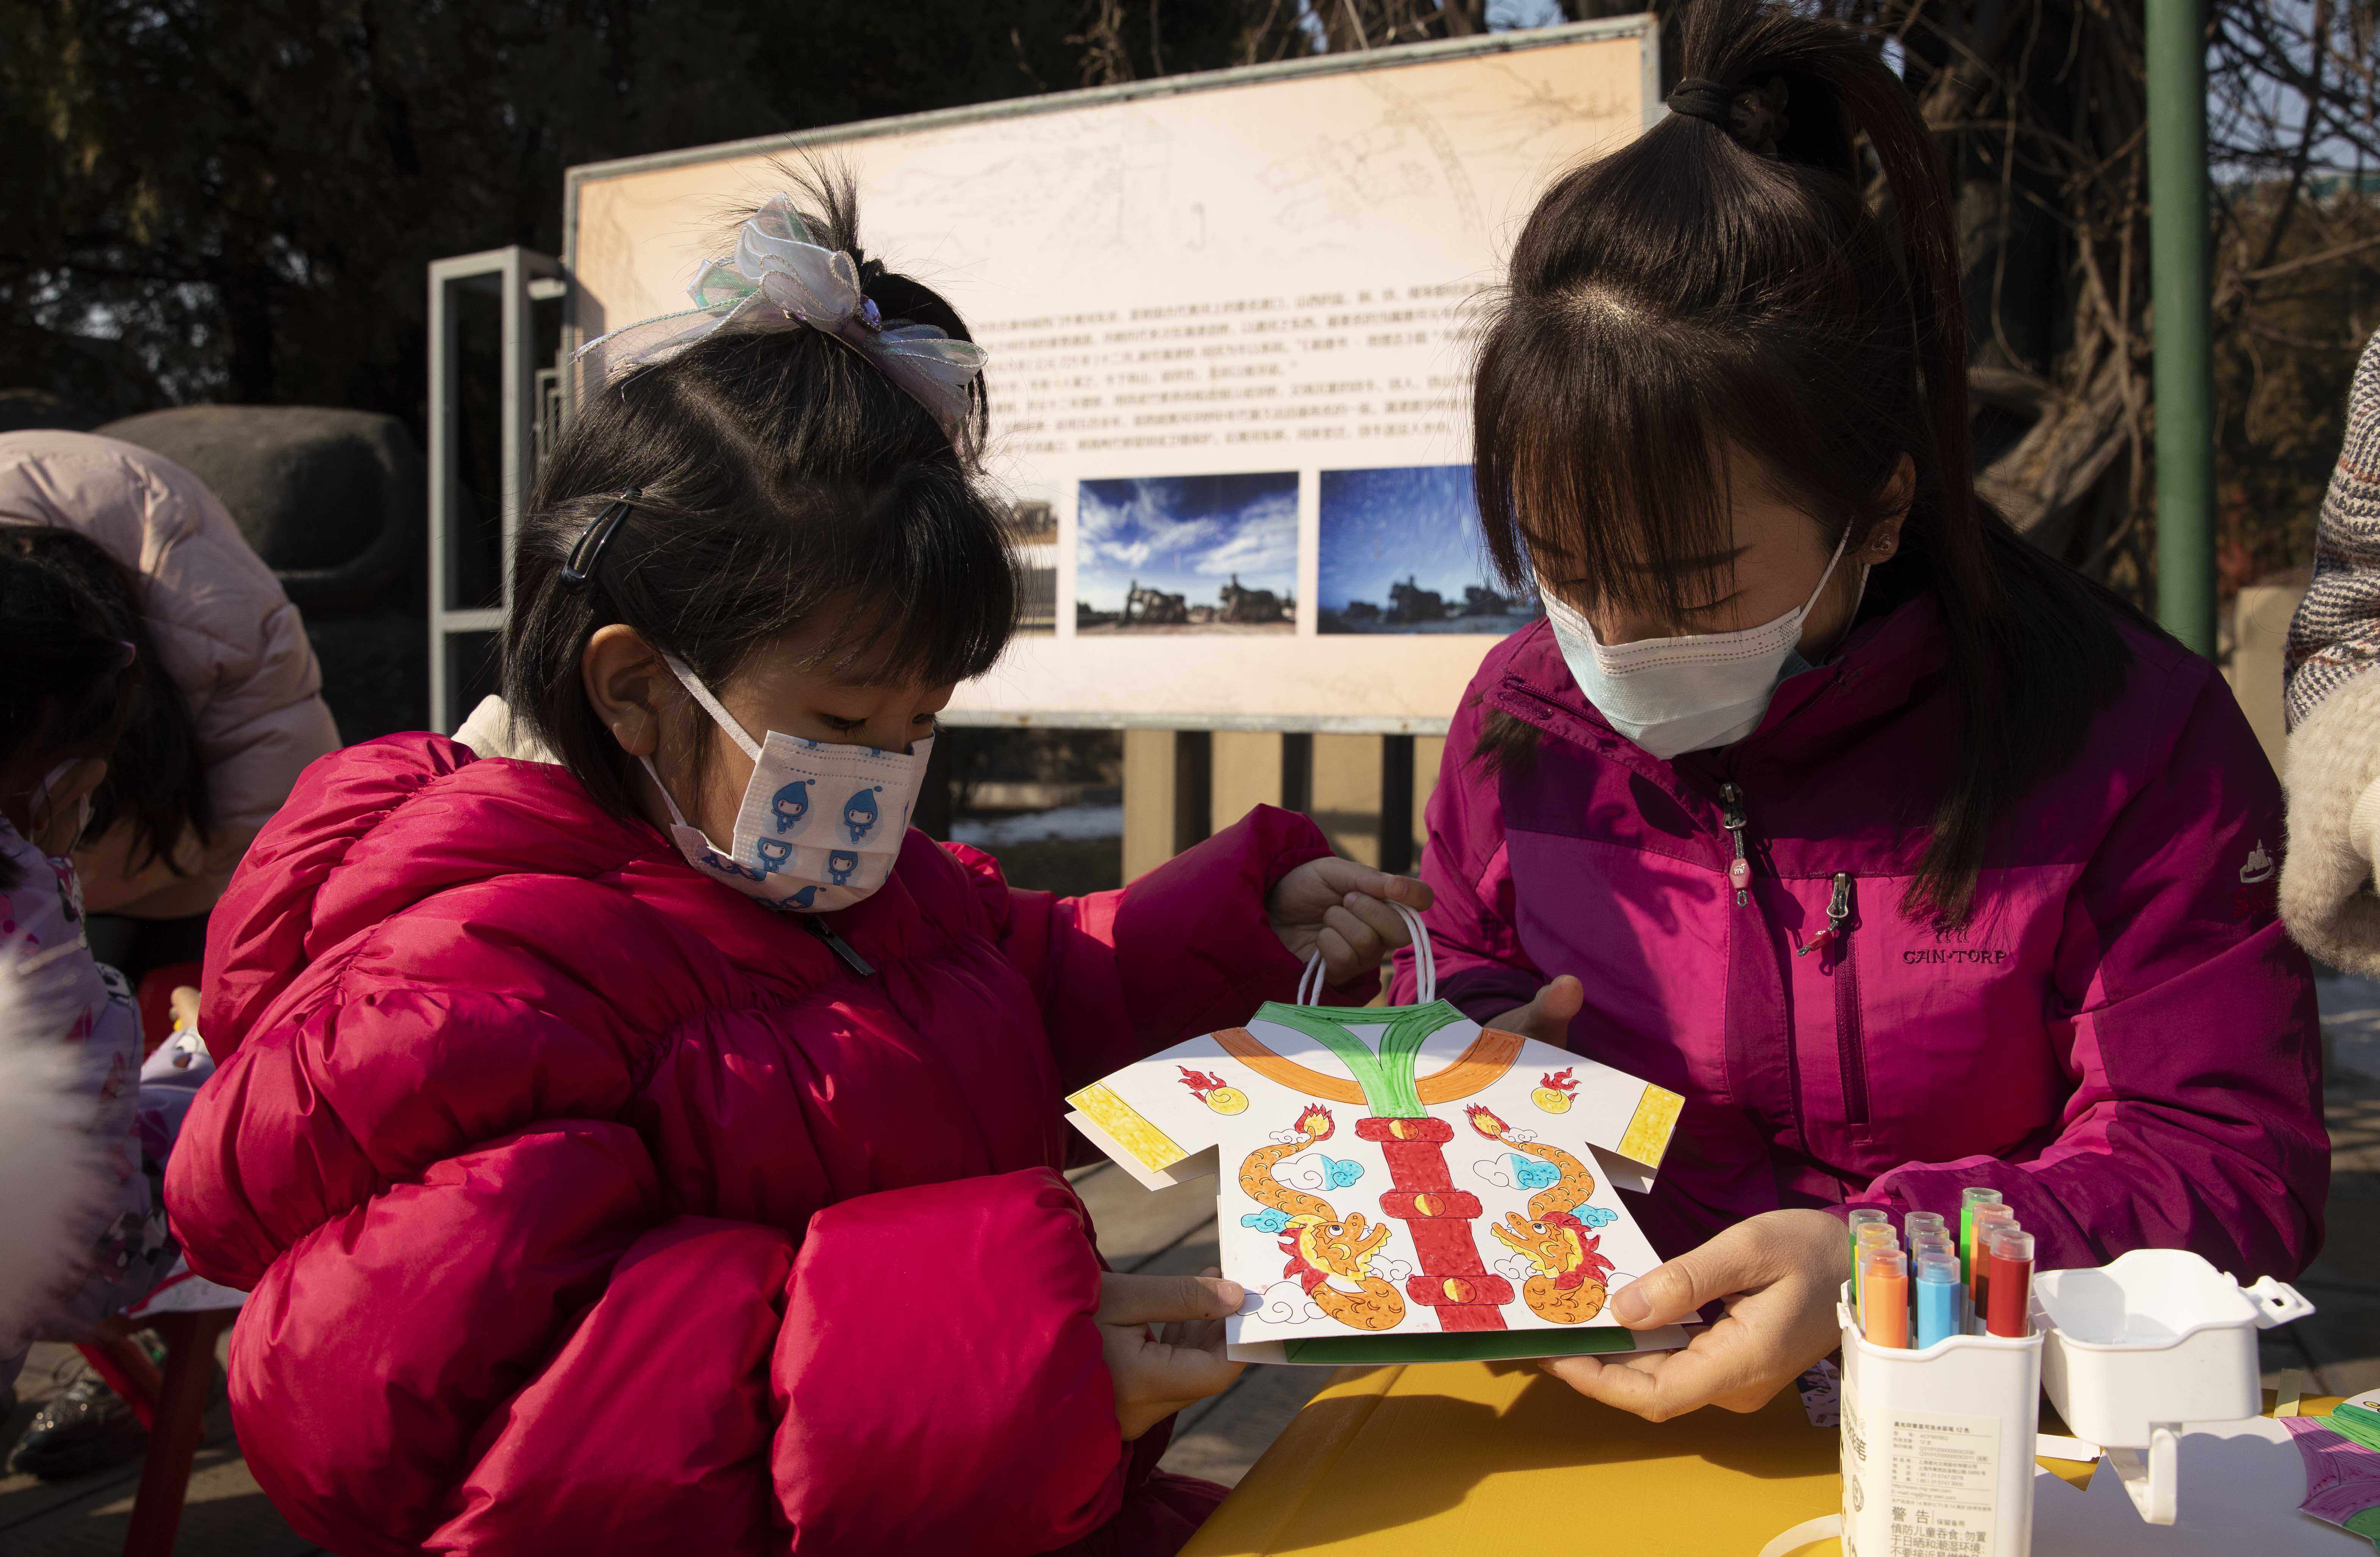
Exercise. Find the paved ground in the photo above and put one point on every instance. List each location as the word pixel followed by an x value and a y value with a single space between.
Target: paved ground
pixel 1174 1231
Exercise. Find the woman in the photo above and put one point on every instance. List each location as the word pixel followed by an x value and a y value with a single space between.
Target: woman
pixel 232 711
pixel 1910 859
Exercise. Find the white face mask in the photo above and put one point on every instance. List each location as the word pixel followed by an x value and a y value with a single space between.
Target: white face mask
pixel 1675 695
pixel 820 825
pixel 40 823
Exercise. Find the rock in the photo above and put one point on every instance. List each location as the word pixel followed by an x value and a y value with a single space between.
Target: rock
pixel 23 410
pixel 332 500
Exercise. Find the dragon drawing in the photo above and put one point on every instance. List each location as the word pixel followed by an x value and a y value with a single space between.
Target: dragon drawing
pixel 1319 1245
pixel 1568 1287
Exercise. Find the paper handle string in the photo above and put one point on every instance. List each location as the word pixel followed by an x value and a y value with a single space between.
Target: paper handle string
pixel 1309 984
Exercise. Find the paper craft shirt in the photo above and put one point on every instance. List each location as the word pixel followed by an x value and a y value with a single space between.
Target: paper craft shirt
pixel 1396 1170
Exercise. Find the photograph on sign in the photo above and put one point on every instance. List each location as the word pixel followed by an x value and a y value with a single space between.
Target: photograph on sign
pixel 1033 530
pixel 1187 554
pixel 1401 553
pixel 1230 321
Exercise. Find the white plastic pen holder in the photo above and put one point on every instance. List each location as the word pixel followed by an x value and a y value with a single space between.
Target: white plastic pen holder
pixel 2142 1346
pixel 1937 1444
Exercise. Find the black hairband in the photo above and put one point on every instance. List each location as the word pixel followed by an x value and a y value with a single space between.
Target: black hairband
pixel 1700 99
pixel 587 552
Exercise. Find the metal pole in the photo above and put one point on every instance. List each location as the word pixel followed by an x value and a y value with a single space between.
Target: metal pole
pixel 2184 374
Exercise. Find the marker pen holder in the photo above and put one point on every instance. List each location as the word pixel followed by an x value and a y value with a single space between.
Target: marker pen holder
pixel 1937 1444
pixel 2140 1346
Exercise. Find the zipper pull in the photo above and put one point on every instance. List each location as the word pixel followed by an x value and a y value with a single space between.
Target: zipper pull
pixel 1838 912
pixel 1731 817
pixel 838 945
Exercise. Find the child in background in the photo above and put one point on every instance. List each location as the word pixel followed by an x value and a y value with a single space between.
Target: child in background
pixel 657 1145
pixel 85 1235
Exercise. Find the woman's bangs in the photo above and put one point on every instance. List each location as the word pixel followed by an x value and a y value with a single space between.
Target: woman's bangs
pixel 1618 479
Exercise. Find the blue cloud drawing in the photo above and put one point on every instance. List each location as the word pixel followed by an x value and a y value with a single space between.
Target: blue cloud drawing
pixel 1269 1220
pixel 1530 1173
pixel 1595 1216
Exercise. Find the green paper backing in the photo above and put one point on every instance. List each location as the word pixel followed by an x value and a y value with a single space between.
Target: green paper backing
pixel 1478 1345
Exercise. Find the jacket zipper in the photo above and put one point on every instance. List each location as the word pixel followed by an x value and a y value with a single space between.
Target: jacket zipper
pixel 1850 1041
pixel 1732 818
pixel 838 945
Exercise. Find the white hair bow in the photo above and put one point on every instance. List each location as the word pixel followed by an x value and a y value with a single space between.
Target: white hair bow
pixel 777 270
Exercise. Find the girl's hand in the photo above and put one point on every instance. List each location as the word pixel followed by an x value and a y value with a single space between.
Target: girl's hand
pixel 1778 1274
pixel 1341 909
pixel 1184 1362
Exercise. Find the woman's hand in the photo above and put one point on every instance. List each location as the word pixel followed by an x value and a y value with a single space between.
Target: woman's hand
pixel 1156 1376
pixel 1779 1273
pixel 1547 1017
pixel 1341 909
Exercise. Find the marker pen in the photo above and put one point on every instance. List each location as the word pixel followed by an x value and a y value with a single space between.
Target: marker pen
pixel 1940 1292
pixel 1884 1302
pixel 1989 1219
pixel 1865 1216
pixel 2011 1285
pixel 1918 1223
pixel 1968 1200
pixel 1871 1236
pixel 1938 1244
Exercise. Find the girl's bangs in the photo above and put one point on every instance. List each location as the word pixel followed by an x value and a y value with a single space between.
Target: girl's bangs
pixel 945 565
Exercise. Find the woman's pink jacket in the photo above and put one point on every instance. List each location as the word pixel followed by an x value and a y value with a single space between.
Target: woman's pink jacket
pixel 591 1207
pixel 2123 1040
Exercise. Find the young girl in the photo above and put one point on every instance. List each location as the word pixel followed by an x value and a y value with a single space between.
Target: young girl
pixel 1910 860
pixel 610 1177
pixel 85 1231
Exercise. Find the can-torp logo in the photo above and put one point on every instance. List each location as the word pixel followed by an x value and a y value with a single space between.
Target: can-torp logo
pixel 1950 947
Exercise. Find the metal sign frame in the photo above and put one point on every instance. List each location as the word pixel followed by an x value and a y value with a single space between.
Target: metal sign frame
pixel 520 277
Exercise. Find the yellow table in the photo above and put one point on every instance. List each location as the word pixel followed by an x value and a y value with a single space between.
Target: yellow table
pixel 1498 1460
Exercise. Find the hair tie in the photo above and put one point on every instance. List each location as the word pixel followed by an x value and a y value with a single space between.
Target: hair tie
pixel 1699 99
pixel 587 552
pixel 778 278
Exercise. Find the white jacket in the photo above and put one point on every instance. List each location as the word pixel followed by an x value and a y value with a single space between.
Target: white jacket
pixel 225 632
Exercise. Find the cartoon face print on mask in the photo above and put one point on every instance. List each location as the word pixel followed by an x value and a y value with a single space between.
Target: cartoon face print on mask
pixel 773 853
pixel 719 861
pixel 840 864
pixel 792 804
pixel 859 814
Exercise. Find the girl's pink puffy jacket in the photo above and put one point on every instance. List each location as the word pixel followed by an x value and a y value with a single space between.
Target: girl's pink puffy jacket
pixel 2122 1043
pixel 590 1206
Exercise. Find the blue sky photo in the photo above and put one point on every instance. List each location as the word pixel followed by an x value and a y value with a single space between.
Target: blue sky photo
pixel 1383 526
pixel 1185 535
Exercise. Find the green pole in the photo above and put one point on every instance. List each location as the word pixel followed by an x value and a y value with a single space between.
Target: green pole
pixel 2185 378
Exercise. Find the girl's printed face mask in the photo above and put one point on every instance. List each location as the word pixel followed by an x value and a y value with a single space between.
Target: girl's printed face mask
pixel 1675 695
pixel 820 825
